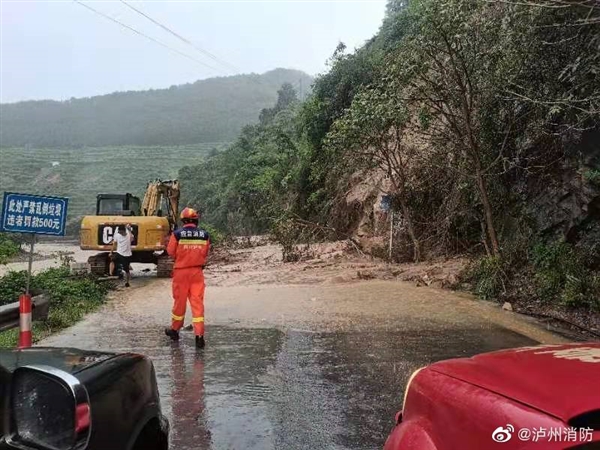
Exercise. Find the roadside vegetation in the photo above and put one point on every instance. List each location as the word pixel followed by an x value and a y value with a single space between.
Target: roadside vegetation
pixel 9 248
pixel 71 297
pixel 480 119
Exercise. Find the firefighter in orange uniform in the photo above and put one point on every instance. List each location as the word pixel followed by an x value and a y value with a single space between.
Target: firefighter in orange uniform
pixel 188 246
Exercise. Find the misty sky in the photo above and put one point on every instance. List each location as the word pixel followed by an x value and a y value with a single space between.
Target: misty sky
pixel 59 49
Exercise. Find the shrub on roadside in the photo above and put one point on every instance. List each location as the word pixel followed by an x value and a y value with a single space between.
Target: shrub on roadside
pixel 296 237
pixel 381 252
pixel 70 299
pixel 8 248
pixel 488 277
pixel 561 275
pixel 11 286
pixel 553 263
pixel 286 233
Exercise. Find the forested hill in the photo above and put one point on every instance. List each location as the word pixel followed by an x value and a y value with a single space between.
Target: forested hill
pixel 480 119
pixel 211 110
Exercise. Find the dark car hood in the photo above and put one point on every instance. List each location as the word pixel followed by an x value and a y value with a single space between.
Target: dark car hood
pixel 67 359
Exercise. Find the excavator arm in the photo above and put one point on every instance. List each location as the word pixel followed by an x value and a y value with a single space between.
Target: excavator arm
pixel 159 192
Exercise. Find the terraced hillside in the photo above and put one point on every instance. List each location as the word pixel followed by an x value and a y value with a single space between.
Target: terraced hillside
pixel 81 174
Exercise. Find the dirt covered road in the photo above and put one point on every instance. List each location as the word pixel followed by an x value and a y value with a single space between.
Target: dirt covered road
pixel 299 356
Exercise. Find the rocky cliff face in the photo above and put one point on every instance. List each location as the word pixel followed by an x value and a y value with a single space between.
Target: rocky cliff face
pixel 359 213
pixel 568 205
pixel 563 203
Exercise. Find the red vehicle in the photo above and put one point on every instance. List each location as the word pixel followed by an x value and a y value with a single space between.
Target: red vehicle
pixel 545 398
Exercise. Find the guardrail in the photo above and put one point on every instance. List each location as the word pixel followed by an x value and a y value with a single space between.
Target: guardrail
pixel 10 315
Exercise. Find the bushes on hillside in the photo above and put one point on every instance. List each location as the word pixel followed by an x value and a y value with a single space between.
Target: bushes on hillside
pixel 561 273
pixel 473 109
pixel 555 272
pixel 489 277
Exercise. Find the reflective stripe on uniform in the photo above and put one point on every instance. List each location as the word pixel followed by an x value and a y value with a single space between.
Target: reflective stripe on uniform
pixel 193 241
pixel 197 319
pixel 176 317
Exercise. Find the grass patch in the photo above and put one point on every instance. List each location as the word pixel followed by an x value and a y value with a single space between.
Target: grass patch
pixel 8 248
pixel 71 298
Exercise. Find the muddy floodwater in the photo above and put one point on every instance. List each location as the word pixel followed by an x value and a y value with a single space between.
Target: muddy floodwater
pixel 295 366
pixel 264 388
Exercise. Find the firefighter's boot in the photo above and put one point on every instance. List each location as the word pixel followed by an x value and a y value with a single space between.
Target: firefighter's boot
pixel 200 342
pixel 173 334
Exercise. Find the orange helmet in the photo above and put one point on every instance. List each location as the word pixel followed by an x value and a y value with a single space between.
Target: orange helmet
pixel 189 213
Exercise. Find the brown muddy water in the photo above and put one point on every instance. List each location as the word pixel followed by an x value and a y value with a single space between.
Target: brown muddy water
pixel 296 366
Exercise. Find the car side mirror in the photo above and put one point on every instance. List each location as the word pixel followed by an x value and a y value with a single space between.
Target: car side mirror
pixel 49 410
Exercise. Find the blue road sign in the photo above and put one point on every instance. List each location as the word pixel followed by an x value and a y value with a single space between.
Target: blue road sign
pixel 386 203
pixel 38 214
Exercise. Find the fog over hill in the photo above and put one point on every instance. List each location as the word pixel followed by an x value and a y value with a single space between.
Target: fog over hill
pixel 211 110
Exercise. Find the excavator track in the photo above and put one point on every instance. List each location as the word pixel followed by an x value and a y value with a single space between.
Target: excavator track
pixel 164 266
pixel 99 264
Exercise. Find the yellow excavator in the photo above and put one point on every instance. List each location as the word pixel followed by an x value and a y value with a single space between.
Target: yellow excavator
pixel 152 222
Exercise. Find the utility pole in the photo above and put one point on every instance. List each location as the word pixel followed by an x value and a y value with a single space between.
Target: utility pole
pixel 391 233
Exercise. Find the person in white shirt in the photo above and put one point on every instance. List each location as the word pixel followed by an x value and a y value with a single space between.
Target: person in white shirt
pixel 122 244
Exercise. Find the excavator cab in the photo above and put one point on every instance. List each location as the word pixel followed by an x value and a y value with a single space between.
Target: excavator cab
pixel 117 205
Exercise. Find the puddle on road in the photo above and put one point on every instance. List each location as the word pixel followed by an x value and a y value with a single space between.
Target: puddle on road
pixel 269 389
pixel 303 367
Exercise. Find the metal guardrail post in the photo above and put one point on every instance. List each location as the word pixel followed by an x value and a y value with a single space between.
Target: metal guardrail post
pixel 10 315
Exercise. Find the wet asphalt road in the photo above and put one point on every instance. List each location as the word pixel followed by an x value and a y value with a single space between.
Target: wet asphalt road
pixel 296 367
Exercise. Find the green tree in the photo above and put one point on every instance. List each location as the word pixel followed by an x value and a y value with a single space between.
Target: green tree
pixel 250 185
pixel 446 70
pixel 286 97
pixel 393 7
pixel 559 75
